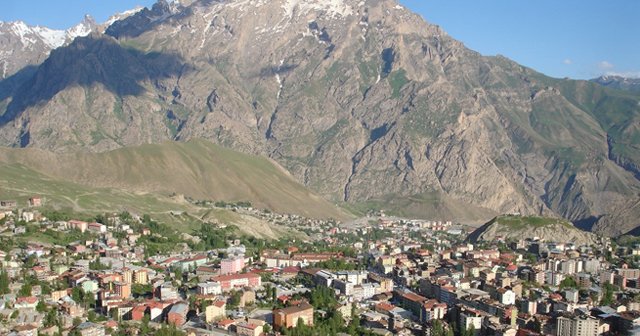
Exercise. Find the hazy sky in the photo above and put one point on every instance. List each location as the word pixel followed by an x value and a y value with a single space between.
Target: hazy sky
pixel 561 38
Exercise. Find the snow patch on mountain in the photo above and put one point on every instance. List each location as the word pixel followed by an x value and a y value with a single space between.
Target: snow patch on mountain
pixel 52 38
pixel 122 15
pixel 331 7
pixel 79 30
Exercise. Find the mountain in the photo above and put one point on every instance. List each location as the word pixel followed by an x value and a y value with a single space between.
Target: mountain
pixel 197 169
pixel 22 45
pixel 512 227
pixel 619 82
pixel 362 101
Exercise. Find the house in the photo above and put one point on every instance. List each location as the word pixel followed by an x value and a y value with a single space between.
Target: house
pixel 78 225
pixel 72 309
pixel 26 302
pixel 231 281
pixel 122 289
pixel 8 204
pixel 225 324
pixel 205 272
pixel 248 329
pixel 178 314
pixel 248 297
pixel 26 330
pixel 288 317
pixel 28 216
pixel 209 288
pixel 166 291
pixel 215 311
pixel 191 263
pixel 97 227
pixel 410 301
pixel 432 310
pixel 90 329
pixel 137 313
pixel 35 201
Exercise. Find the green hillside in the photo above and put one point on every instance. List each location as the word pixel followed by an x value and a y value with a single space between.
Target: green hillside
pixel 196 169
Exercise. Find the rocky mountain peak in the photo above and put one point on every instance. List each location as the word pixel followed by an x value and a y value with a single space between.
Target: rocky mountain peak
pixel 619 82
pixel 362 101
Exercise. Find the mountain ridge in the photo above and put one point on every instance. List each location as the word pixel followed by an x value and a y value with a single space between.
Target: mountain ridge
pixel 359 100
pixel 22 45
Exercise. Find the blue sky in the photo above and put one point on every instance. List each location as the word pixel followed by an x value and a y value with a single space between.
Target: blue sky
pixel 568 38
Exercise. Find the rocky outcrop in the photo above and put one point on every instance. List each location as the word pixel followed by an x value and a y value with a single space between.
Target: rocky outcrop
pixel 514 228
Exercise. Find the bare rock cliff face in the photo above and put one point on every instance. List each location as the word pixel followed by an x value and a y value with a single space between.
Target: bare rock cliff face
pixel 359 100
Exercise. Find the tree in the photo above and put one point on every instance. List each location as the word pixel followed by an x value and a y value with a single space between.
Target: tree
pixel 51 318
pixel 4 283
pixel 113 313
pixel 77 294
pixel 568 282
pixel 169 331
pixel 204 304
pixel 471 331
pixel 25 290
pixel 607 296
pixel 437 329
pixel 235 298
pixel 41 307
pixel 323 297
pixel 89 300
pixel 144 326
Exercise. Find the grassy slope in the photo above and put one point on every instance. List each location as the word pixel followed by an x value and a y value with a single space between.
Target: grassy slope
pixel 507 225
pixel 519 223
pixel 433 206
pixel 198 169
pixel 18 182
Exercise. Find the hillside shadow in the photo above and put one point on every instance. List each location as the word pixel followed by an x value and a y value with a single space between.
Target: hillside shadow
pixel 586 224
pixel 11 84
pixel 88 61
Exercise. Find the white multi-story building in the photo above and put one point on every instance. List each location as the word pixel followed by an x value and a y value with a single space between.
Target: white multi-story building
pixel 578 326
pixel 469 318
pixel 209 288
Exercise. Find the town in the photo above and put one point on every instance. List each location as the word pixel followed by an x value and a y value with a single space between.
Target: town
pixel 127 274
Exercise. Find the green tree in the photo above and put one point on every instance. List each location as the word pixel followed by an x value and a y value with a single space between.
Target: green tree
pixel 4 283
pixel 77 294
pixel 568 282
pixel 437 329
pixel 204 304
pixel 607 295
pixel 89 300
pixel 25 290
pixel 322 297
pixel 234 300
pixel 50 318
pixel 41 307
pixel 169 330
pixel 144 326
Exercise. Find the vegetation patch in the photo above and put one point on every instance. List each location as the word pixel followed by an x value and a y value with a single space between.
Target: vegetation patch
pixel 397 80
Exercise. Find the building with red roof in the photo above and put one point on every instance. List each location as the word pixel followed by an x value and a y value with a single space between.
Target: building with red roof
pixel 231 281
